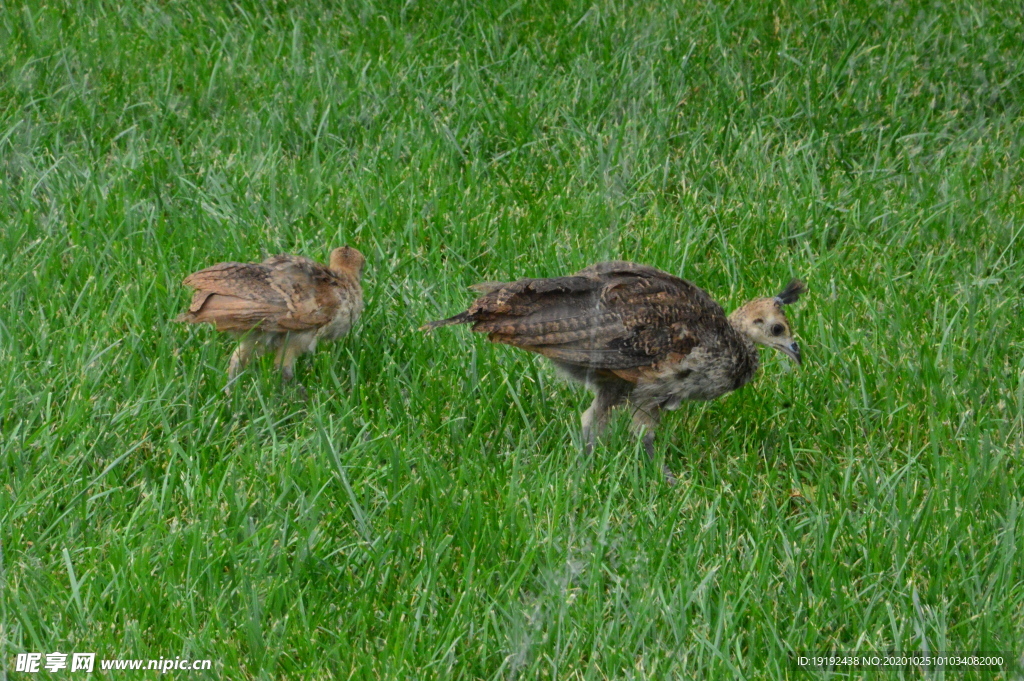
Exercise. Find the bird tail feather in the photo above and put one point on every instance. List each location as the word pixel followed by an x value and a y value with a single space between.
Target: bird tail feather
pixel 460 318
pixel 486 287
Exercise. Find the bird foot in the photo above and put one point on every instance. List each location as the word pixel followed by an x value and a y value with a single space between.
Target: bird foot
pixel 670 478
pixel 288 378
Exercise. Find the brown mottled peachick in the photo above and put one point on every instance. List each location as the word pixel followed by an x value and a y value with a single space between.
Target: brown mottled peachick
pixel 633 333
pixel 286 303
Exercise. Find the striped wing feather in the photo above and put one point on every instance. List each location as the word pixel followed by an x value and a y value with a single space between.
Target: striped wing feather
pixel 281 294
pixel 614 316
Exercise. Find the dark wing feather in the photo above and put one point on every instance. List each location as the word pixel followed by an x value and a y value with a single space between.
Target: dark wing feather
pixel 614 315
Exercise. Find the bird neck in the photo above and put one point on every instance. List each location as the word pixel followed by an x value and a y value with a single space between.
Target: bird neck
pixel 741 325
pixel 750 359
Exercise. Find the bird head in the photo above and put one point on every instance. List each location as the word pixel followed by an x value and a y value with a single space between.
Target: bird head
pixel 347 260
pixel 763 321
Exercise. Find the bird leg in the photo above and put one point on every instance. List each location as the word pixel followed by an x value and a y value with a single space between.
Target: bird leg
pixel 595 418
pixel 645 422
pixel 239 358
pixel 291 348
pixel 285 359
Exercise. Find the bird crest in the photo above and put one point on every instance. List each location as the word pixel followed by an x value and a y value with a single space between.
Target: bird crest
pixel 794 289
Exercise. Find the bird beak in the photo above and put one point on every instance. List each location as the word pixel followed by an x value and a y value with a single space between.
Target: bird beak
pixel 793 350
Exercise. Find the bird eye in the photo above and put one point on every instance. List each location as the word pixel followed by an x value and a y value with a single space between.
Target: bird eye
pixel 778 329
pixel 759 321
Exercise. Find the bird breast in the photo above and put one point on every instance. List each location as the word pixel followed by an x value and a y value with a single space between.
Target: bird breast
pixel 700 375
pixel 346 315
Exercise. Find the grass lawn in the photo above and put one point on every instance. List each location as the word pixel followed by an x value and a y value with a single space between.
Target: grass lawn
pixel 427 512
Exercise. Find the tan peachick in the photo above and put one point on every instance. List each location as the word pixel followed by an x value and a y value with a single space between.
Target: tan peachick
pixel 286 304
pixel 633 334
